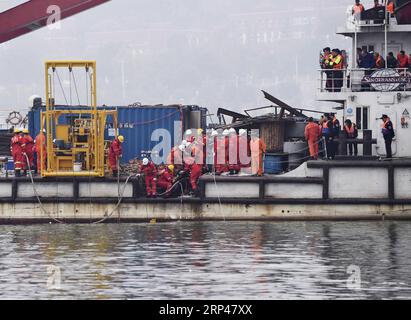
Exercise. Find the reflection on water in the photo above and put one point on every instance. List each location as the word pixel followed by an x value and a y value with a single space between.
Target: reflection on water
pixel 213 260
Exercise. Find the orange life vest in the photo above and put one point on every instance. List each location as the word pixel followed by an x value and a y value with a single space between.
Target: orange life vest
pixel 390 7
pixel 350 131
pixel 358 8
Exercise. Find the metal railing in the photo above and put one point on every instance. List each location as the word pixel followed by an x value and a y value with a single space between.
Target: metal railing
pixel 365 80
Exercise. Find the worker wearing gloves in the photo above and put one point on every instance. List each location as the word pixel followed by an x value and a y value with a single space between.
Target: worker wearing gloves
pixel 41 151
pixel 166 179
pixel 115 153
pixel 258 148
pixel 312 135
pixel 16 148
pixel 28 149
pixel 149 170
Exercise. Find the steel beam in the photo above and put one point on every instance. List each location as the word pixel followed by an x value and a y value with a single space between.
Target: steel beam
pixel 34 14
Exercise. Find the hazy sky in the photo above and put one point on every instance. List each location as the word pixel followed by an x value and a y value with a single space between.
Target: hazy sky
pixel 212 53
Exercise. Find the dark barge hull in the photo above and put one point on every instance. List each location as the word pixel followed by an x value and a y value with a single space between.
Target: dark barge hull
pixel 318 190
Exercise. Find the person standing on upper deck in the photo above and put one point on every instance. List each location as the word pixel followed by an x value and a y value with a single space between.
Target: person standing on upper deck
pixel 391 7
pixel 392 63
pixel 337 65
pixel 358 7
pixel 377 4
pixel 325 59
pixel 379 61
pixel 388 134
pixel 402 58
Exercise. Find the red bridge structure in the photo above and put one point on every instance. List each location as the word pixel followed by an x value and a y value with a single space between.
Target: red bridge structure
pixel 34 14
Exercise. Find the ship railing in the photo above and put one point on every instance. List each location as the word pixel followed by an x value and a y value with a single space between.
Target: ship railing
pixel 365 80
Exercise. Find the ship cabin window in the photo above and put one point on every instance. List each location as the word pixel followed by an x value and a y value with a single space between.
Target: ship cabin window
pixel 368 48
pixel 362 118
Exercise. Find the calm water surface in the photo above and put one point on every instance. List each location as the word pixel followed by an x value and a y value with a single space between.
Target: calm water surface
pixel 213 260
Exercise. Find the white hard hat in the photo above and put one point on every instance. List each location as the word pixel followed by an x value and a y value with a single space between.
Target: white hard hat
pixel 44 130
pixel 189 132
pixel 184 143
pixel 242 132
pixel 226 132
pixel 214 133
pixel 232 131
pixel 182 148
pixel 145 161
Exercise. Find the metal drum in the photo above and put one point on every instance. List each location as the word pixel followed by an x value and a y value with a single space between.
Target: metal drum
pixel 297 153
pixel 275 163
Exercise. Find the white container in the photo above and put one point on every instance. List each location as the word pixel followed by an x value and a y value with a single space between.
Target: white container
pixel 77 167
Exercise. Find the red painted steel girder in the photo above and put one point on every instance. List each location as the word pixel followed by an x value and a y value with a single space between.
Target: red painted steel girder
pixel 33 15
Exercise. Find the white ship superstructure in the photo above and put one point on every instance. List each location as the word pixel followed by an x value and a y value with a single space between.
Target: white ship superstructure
pixel 368 94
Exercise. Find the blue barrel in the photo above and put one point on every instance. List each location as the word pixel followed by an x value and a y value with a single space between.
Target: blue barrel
pixel 10 165
pixel 275 163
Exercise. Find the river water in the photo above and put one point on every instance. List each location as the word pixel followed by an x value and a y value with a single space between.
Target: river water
pixel 207 260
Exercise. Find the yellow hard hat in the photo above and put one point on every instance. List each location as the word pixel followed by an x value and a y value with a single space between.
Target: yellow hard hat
pixel 171 167
pixel 26 130
pixel 200 131
pixel 17 130
pixel 121 139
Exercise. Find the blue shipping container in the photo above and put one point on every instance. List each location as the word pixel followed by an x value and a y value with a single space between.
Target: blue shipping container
pixel 139 126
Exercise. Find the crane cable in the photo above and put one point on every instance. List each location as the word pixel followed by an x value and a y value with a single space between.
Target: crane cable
pixel 37 195
pixel 120 199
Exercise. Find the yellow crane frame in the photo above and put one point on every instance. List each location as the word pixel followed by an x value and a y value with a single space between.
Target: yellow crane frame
pixel 95 149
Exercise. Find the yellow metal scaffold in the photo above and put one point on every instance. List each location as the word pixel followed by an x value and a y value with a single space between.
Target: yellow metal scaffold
pixel 75 148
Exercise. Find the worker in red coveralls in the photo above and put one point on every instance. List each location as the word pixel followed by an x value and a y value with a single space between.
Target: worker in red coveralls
pixel 244 154
pixel 312 135
pixel 150 173
pixel 176 156
pixel 28 149
pixel 114 154
pixel 221 153
pixel 195 163
pixel 210 150
pixel 17 152
pixel 233 156
pixel 41 150
pixel 166 179
pixel 201 143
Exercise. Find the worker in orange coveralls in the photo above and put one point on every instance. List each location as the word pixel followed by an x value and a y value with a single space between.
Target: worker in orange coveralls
pixel 258 148
pixel 28 149
pixel 312 135
pixel 114 154
pixel 17 152
pixel 41 150
pixel 150 173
